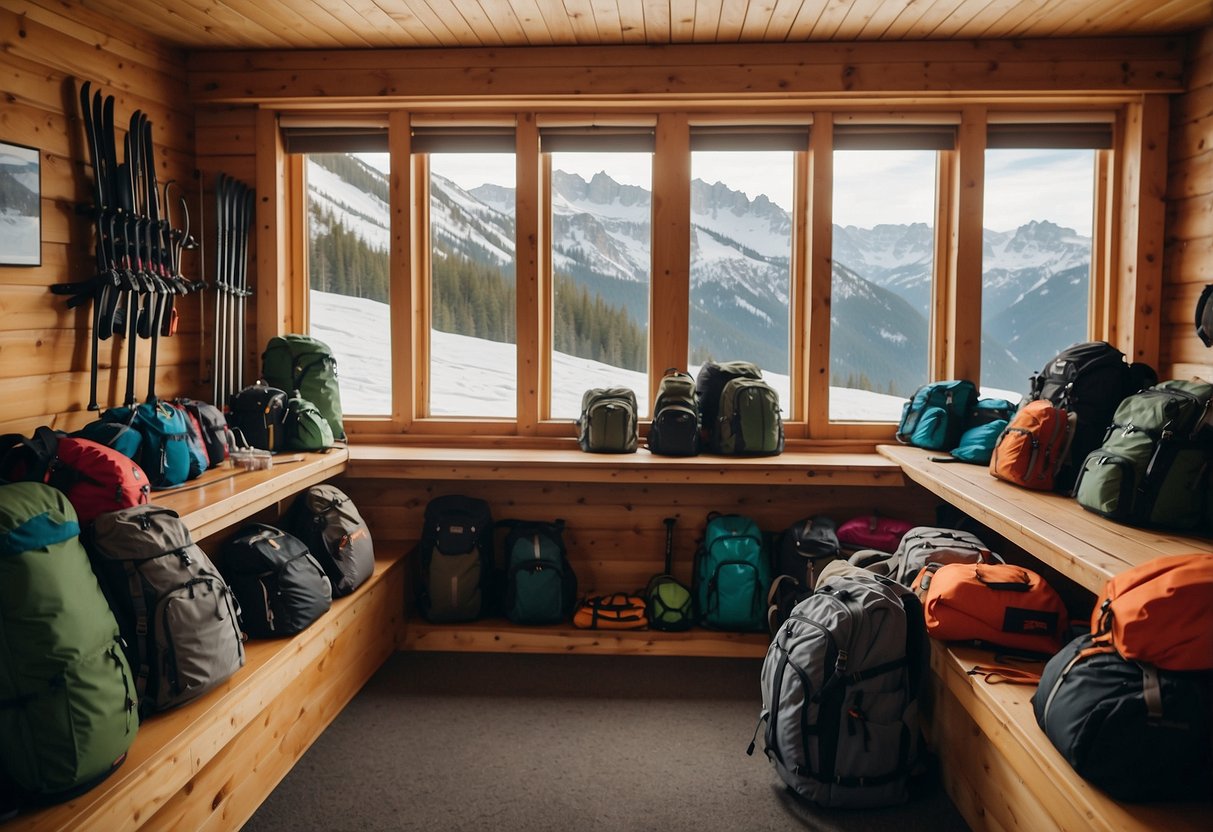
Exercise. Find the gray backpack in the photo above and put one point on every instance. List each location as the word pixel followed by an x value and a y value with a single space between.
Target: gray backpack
pixel 922 545
pixel 840 688
pixel 177 615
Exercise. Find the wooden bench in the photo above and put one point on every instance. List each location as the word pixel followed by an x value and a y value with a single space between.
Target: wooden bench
pixel 998 766
pixel 211 762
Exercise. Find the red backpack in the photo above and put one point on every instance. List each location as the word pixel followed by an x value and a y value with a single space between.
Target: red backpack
pixel 95 478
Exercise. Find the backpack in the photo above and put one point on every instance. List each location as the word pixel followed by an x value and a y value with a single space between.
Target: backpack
pixel 617 611
pixel 1089 379
pixel 675 427
pixel 304 428
pixel 840 686
pixel 1132 730
pixel 258 412
pixel 306 364
pixel 934 417
pixel 122 438
pixel 749 421
pixel 803 550
pixel 995 605
pixel 1034 446
pixel 200 460
pixel 326 520
pixel 1153 466
pixel 709 384
pixel 216 436
pixel 67 694
pixel 178 617
pixel 872 531
pixel 732 574
pixel 164 452
pixel 96 479
pixel 669 605
pixel 456 559
pixel 922 545
pixel 985 423
pixel 281 588
pixel 608 424
pixel 1160 612
pixel 540 585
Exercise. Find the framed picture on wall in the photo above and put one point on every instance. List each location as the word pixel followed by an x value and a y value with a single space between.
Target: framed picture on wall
pixel 20 205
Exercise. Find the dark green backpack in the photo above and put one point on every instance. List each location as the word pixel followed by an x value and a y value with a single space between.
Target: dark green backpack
pixel 749 421
pixel 306 364
pixel 67 695
pixel 1153 466
pixel 306 428
pixel 540 585
pixel 608 421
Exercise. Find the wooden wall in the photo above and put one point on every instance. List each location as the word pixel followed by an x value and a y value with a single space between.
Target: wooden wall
pixel 1188 262
pixel 44 346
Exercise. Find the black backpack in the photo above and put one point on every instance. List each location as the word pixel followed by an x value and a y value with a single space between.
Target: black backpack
pixel 802 552
pixel 1136 732
pixel 675 427
pixel 540 585
pixel 455 559
pixel 1090 380
pixel 258 412
pixel 326 520
pixel 281 587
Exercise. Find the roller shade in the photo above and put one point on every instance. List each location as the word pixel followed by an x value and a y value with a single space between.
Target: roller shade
pixel 1078 136
pixel 894 137
pixel 463 140
pixel 335 139
pixel 605 139
pixel 739 137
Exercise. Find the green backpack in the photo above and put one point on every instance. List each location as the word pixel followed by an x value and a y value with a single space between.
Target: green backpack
pixel 608 422
pixel 67 695
pixel 749 421
pixel 1153 467
pixel 306 364
pixel 306 428
pixel 732 574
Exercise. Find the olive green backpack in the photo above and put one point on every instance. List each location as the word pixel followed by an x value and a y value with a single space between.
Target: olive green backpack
pixel 306 364
pixel 67 695
pixel 306 428
pixel 1153 466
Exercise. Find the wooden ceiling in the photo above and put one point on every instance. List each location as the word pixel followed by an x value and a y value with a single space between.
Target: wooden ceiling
pixel 355 24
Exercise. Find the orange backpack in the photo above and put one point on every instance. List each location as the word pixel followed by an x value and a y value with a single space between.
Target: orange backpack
pixel 1160 613
pixel 1033 446
pixel 996 604
pixel 617 611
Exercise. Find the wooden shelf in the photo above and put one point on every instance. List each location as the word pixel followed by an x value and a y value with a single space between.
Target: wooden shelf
pixel 546 465
pixel 1000 767
pixel 1052 527
pixel 500 636
pixel 290 687
pixel 222 497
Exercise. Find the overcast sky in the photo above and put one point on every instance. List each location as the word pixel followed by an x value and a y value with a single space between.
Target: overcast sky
pixel 879 186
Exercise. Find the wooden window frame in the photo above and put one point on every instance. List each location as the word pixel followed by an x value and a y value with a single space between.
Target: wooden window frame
pixel 1124 176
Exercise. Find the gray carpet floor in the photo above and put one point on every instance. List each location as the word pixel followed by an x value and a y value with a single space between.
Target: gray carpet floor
pixel 449 742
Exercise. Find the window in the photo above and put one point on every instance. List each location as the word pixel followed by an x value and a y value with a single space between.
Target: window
pixel 741 249
pixel 347 220
pixel 884 212
pixel 1038 227
pixel 472 349
pixel 601 207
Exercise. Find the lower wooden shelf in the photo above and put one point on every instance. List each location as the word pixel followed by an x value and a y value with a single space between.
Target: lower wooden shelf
pixel 500 636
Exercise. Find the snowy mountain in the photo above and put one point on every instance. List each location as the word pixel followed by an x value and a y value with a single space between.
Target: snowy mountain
pixel 740 250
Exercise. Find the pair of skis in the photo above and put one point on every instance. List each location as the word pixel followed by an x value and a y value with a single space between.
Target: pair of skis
pixel 234 204
pixel 138 248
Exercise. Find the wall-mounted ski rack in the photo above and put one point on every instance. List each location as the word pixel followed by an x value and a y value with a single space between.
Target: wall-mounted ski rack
pixel 234 206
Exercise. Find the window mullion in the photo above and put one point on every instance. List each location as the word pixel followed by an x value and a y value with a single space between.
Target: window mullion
pixel 820 273
pixel 533 302
pixel 962 321
pixel 404 280
pixel 670 296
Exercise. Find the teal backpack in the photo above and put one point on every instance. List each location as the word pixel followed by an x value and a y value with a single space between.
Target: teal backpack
pixel 540 585
pixel 1153 466
pixel 934 417
pixel 732 574
pixel 608 423
pixel 306 364
pixel 67 695
pixel 305 427
pixel 985 423
pixel 164 451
